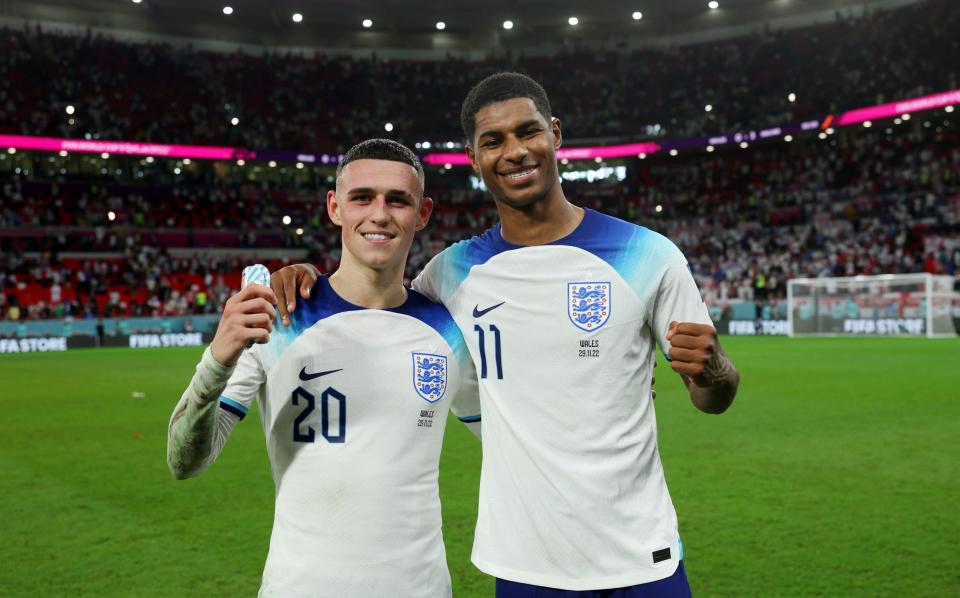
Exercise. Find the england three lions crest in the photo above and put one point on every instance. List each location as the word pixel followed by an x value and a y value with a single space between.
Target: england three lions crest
pixel 588 304
pixel 430 376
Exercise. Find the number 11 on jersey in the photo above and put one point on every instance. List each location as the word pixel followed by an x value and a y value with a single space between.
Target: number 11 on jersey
pixel 483 350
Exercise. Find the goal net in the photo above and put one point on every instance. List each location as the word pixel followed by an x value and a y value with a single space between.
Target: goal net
pixel 888 305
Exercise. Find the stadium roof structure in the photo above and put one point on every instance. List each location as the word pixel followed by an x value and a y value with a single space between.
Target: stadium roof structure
pixel 413 24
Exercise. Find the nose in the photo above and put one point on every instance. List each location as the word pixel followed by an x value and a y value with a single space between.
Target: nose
pixel 515 150
pixel 378 211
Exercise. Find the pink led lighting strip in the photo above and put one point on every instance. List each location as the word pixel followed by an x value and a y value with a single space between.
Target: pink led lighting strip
pixel 84 146
pixel 937 100
pixel 200 152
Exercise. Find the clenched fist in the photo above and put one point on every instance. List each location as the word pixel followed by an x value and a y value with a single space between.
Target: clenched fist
pixel 247 317
pixel 693 348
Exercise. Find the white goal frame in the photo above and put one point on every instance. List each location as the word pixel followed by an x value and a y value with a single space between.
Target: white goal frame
pixel 934 287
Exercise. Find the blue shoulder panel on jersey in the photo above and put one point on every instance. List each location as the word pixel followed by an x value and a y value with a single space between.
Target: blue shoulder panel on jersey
pixel 638 254
pixel 231 406
pixel 456 260
pixel 323 303
pixel 437 317
pixel 469 419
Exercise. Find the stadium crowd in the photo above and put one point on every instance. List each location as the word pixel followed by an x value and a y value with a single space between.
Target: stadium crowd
pixel 319 103
pixel 861 201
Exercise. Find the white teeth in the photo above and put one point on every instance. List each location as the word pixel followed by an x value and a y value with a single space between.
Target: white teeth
pixel 375 237
pixel 518 175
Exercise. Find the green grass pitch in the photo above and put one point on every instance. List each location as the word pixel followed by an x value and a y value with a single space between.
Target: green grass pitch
pixel 836 473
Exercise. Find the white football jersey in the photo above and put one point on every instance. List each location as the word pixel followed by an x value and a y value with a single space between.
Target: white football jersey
pixel 572 491
pixel 353 404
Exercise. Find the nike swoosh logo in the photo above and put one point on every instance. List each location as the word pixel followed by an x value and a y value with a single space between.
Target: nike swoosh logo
pixel 477 312
pixel 305 376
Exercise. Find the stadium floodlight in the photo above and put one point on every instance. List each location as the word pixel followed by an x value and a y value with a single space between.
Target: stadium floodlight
pixel 447 166
pixel 11 150
pixel 867 124
pixel 744 145
pixel 272 164
pixel 791 97
pixel 658 209
pixel 441 25
pixel 241 162
pixel 674 152
pixel 426 145
pixel 300 231
pixel 508 24
pixel 949 108
pixel 186 161
pixel 149 159
pixel 788 138
pixel 63 153
pixel 822 135
pixel 297 17
pixel 176 170
pixel 905 116
pixel 880 305
pixel 713 4
pixel 388 127
pixel 69 109
pixel 574 21
pixel 228 10
pixel 564 161
pixel 708 108
pixel 105 155
pixel 367 23
pixel 234 121
pixel 299 165
pixel 637 15
pixel 451 145
pixel 642 156
pixel 830 131
pixel 710 149
pixel 137 1
pixel 287 219
pixel 111 216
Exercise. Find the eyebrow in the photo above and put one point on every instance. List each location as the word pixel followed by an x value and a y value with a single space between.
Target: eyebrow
pixel 389 193
pixel 524 125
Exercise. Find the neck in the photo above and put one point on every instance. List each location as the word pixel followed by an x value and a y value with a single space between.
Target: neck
pixel 368 287
pixel 544 221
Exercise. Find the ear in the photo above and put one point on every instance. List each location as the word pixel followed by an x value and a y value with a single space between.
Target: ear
pixel 426 208
pixel 333 208
pixel 473 159
pixel 557 133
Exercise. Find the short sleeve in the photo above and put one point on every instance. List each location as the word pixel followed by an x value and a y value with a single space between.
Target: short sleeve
pixel 466 403
pixel 677 299
pixel 427 282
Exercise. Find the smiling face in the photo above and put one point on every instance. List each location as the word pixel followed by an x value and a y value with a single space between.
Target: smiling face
pixel 514 149
pixel 379 205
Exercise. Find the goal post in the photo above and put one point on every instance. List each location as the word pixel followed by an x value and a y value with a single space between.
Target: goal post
pixel 881 305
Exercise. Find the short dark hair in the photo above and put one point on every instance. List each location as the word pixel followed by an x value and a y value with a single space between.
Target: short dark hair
pixel 499 88
pixel 382 149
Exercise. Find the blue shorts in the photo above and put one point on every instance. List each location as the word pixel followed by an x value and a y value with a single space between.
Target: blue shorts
pixel 675 586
